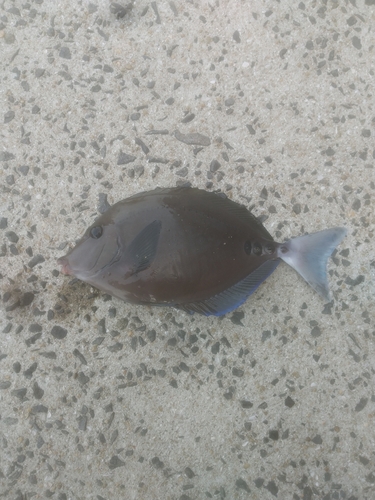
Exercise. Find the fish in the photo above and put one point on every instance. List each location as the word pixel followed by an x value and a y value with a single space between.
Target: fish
pixel 192 249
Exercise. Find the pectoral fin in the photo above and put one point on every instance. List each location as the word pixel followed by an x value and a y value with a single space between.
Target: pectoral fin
pixel 142 250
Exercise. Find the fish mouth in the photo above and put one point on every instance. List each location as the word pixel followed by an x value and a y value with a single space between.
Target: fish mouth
pixel 65 267
pixel 92 272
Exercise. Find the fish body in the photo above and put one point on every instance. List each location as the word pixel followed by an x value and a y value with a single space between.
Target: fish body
pixel 191 249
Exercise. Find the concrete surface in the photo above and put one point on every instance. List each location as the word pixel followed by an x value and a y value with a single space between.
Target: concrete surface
pixel 104 400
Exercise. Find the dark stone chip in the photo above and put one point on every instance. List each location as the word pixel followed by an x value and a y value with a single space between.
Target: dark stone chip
pixel 29 372
pixel 182 172
pixel 142 145
pixel 80 356
pixel 115 462
pixel 82 378
pixel 297 208
pixel 272 488
pixel 65 53
pixel 356 204
pixel 119 10
pixel 364 460
pixel 188 118
pixel 39 409
pixel 237 317
pixel 157 463
pixel 266 335
pixel 237 372
pixel 8 117
pixel 317 439
pixel 362 403
pixel 10 179
pixel 328 308
pixel 37 391
pixel 215 348
pixel 158 132
pixel 116 347
pixel 103 204
pixel 214 166
pixel 356 42
pixel 259 481
pixel 289 402
pixel 274 435
pixel 193 138
pixel 190 474
pixel 19 393
pixel 316 332
pixel 246 404
pixel 151 335
pixel 155 9
pixel 35 327
pixel 124 158
pixel 242 485
pixel 31 340
pixel 3 222
pixel 5 156
pixel 37 259
pixel 48 354
pixel 173 383
pixel 12 237
pixel 59 332
pixel 358 280
pixel 5 385
pixel 184 367
pixel 250 129
pixel 226 342
pixel 8 328
pixel 236 37
pixel 17 367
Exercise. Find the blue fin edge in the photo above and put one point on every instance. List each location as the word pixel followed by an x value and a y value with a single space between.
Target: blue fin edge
pixel 232 297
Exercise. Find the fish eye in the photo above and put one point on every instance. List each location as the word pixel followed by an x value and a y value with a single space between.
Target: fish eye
pixel 247 247
pixel 96 232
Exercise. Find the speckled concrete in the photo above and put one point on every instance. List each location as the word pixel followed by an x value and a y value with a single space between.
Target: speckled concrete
pixel 270 102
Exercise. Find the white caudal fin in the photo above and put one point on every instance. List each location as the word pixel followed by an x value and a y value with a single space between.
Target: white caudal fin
pixel 309 254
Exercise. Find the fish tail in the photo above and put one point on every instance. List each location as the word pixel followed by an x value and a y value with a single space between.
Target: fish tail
pixel 309 254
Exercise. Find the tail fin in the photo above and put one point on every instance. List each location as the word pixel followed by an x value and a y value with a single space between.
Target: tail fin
pixel 308 255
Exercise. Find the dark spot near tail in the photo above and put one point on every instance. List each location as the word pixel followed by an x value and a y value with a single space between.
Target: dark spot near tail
pixel 257 249
pixel 247 247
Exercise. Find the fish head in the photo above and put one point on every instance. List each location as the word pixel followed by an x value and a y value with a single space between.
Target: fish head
pixel 98 250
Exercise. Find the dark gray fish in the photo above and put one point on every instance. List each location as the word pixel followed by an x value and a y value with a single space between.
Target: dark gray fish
pixel 191 249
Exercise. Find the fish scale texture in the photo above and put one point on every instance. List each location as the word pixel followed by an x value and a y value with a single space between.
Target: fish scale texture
pixel 272 104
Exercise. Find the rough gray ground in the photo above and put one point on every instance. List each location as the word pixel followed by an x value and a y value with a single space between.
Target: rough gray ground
pixel 103 400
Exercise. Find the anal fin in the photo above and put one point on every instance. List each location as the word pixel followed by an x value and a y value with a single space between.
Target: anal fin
pixel 232 297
